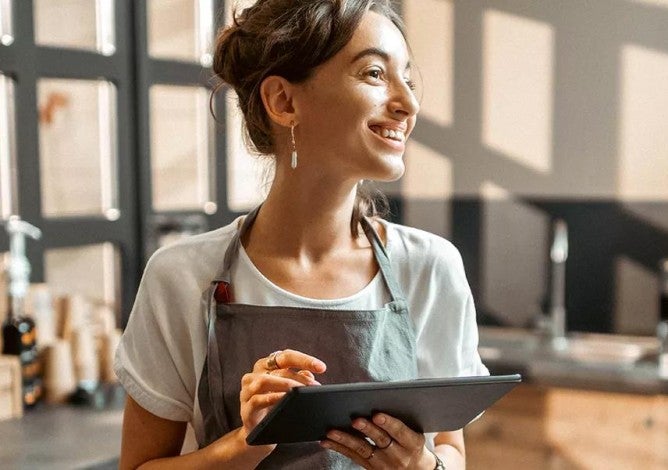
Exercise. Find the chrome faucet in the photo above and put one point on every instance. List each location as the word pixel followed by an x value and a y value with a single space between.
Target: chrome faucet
pixel 553 324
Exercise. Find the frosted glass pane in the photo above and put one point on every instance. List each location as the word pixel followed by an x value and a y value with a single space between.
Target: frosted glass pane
pixel 76 24
pixel 8 177
pixel 180 30
pixel 182 132
pixel 77 147
pixel 246 173
pixel 6 23
pixel 92 271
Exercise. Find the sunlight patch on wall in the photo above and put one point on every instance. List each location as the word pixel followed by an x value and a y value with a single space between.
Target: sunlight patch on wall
pixel 428 173
pixel 657 3
pixel 518 69
pixel 643 145
pixel 430 29
pixel 491 192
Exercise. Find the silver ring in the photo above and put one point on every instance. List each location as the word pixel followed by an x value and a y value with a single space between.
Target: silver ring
pixel 272 364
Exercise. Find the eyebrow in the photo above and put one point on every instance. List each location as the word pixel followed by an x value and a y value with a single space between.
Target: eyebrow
pixel 377 52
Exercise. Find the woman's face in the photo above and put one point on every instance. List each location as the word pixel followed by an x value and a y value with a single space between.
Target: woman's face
pixel 357 109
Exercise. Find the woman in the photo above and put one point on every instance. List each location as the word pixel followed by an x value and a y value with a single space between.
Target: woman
pixel 325 88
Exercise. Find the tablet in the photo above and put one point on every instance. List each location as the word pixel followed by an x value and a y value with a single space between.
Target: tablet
pixel 425 405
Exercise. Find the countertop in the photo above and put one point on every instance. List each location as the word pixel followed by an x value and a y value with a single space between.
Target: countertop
pixel 64 437
pixel 506 351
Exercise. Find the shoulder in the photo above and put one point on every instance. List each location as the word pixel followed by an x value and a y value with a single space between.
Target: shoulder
pixel 420 247
pixel 197 258
pixel 423 256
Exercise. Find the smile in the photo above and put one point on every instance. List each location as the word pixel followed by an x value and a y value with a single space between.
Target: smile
pixel 391 134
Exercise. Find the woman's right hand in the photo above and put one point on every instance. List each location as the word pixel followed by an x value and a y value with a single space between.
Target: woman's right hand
pixel 270 380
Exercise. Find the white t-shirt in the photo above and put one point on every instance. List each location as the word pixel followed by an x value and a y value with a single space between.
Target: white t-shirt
pixel 160 358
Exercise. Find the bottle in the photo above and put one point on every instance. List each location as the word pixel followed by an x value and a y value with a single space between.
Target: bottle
pixel 18 330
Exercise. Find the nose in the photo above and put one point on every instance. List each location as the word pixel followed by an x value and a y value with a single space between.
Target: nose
pixel 403 101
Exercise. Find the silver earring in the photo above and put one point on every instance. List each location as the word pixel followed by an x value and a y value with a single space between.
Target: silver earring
pixel 293 162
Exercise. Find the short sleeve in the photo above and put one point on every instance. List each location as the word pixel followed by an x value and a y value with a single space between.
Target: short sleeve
pixel 154 359
pixel 444 314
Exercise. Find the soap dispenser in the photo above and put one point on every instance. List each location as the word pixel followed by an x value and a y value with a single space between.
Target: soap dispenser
pixel 18 330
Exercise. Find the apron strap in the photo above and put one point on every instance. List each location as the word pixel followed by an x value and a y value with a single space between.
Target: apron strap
pixel 235 244
pixel 383 262
pixel 214 370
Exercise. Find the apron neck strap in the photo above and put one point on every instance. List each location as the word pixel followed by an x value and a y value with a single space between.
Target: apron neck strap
pixel 383 260
pixel 379 251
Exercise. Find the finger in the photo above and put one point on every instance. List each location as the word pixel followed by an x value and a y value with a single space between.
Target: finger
pixel 306 378
pixel 376 434
pixel 307 373
pixel 352 455
pixel 358 445
pixel 253 384
pixel 264 400
pixel 290 359
pixel 402 434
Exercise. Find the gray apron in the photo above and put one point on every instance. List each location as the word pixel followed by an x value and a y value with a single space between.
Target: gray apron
pixel 357 346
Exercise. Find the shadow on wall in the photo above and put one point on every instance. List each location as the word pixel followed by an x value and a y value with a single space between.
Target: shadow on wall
pixel 546 110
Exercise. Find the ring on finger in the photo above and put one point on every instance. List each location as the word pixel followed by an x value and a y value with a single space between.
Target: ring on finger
pixel 388 445
pixel 272 364
pixel 373 451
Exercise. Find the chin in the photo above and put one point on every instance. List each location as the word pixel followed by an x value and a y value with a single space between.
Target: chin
pixel 391 171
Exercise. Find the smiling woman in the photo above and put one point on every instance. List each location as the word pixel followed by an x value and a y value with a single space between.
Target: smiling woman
pixel 311 283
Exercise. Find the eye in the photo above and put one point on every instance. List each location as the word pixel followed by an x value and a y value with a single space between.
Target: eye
pixel 411 84
pixel 375 73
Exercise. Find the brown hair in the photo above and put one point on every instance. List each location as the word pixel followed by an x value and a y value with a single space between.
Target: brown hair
pixel 290 38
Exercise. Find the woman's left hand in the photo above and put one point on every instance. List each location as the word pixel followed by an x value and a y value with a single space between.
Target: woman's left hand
pixel 397 445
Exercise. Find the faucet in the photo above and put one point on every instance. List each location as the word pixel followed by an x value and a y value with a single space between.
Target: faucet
pixel 553 324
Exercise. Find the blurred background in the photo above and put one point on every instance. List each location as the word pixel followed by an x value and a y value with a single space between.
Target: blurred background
pixel 541 152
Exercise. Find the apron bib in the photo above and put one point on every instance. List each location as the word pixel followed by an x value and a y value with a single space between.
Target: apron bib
pixel 356 345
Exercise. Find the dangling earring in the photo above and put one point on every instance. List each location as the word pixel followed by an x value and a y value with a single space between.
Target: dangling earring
pixel 293 162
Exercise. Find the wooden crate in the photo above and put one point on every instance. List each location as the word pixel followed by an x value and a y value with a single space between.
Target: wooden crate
pixel 11 402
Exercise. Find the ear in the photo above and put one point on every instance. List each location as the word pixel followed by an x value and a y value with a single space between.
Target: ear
pixel 277 94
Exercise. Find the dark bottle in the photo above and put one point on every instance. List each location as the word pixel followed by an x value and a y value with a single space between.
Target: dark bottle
pixel 20 339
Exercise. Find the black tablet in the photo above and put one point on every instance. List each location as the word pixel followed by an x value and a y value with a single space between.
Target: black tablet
pixel 426 405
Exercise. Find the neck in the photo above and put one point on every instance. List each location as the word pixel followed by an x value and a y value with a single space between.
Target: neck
pixel 305 216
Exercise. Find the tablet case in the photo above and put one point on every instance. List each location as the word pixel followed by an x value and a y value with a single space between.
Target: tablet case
pixel 425 405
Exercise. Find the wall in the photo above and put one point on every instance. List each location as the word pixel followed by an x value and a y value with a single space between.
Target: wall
pixel 536 110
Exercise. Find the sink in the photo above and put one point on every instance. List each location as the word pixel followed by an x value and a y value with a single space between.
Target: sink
pixel 606 349
pixel 587 349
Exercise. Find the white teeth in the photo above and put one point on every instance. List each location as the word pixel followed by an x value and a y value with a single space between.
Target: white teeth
pixel 391 134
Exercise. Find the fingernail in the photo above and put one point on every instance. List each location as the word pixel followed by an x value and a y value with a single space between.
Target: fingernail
pixel 380 419
pixel 314 382
pixel 359 425
pixel 318 364
pixel 326 444
pixel 334 436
